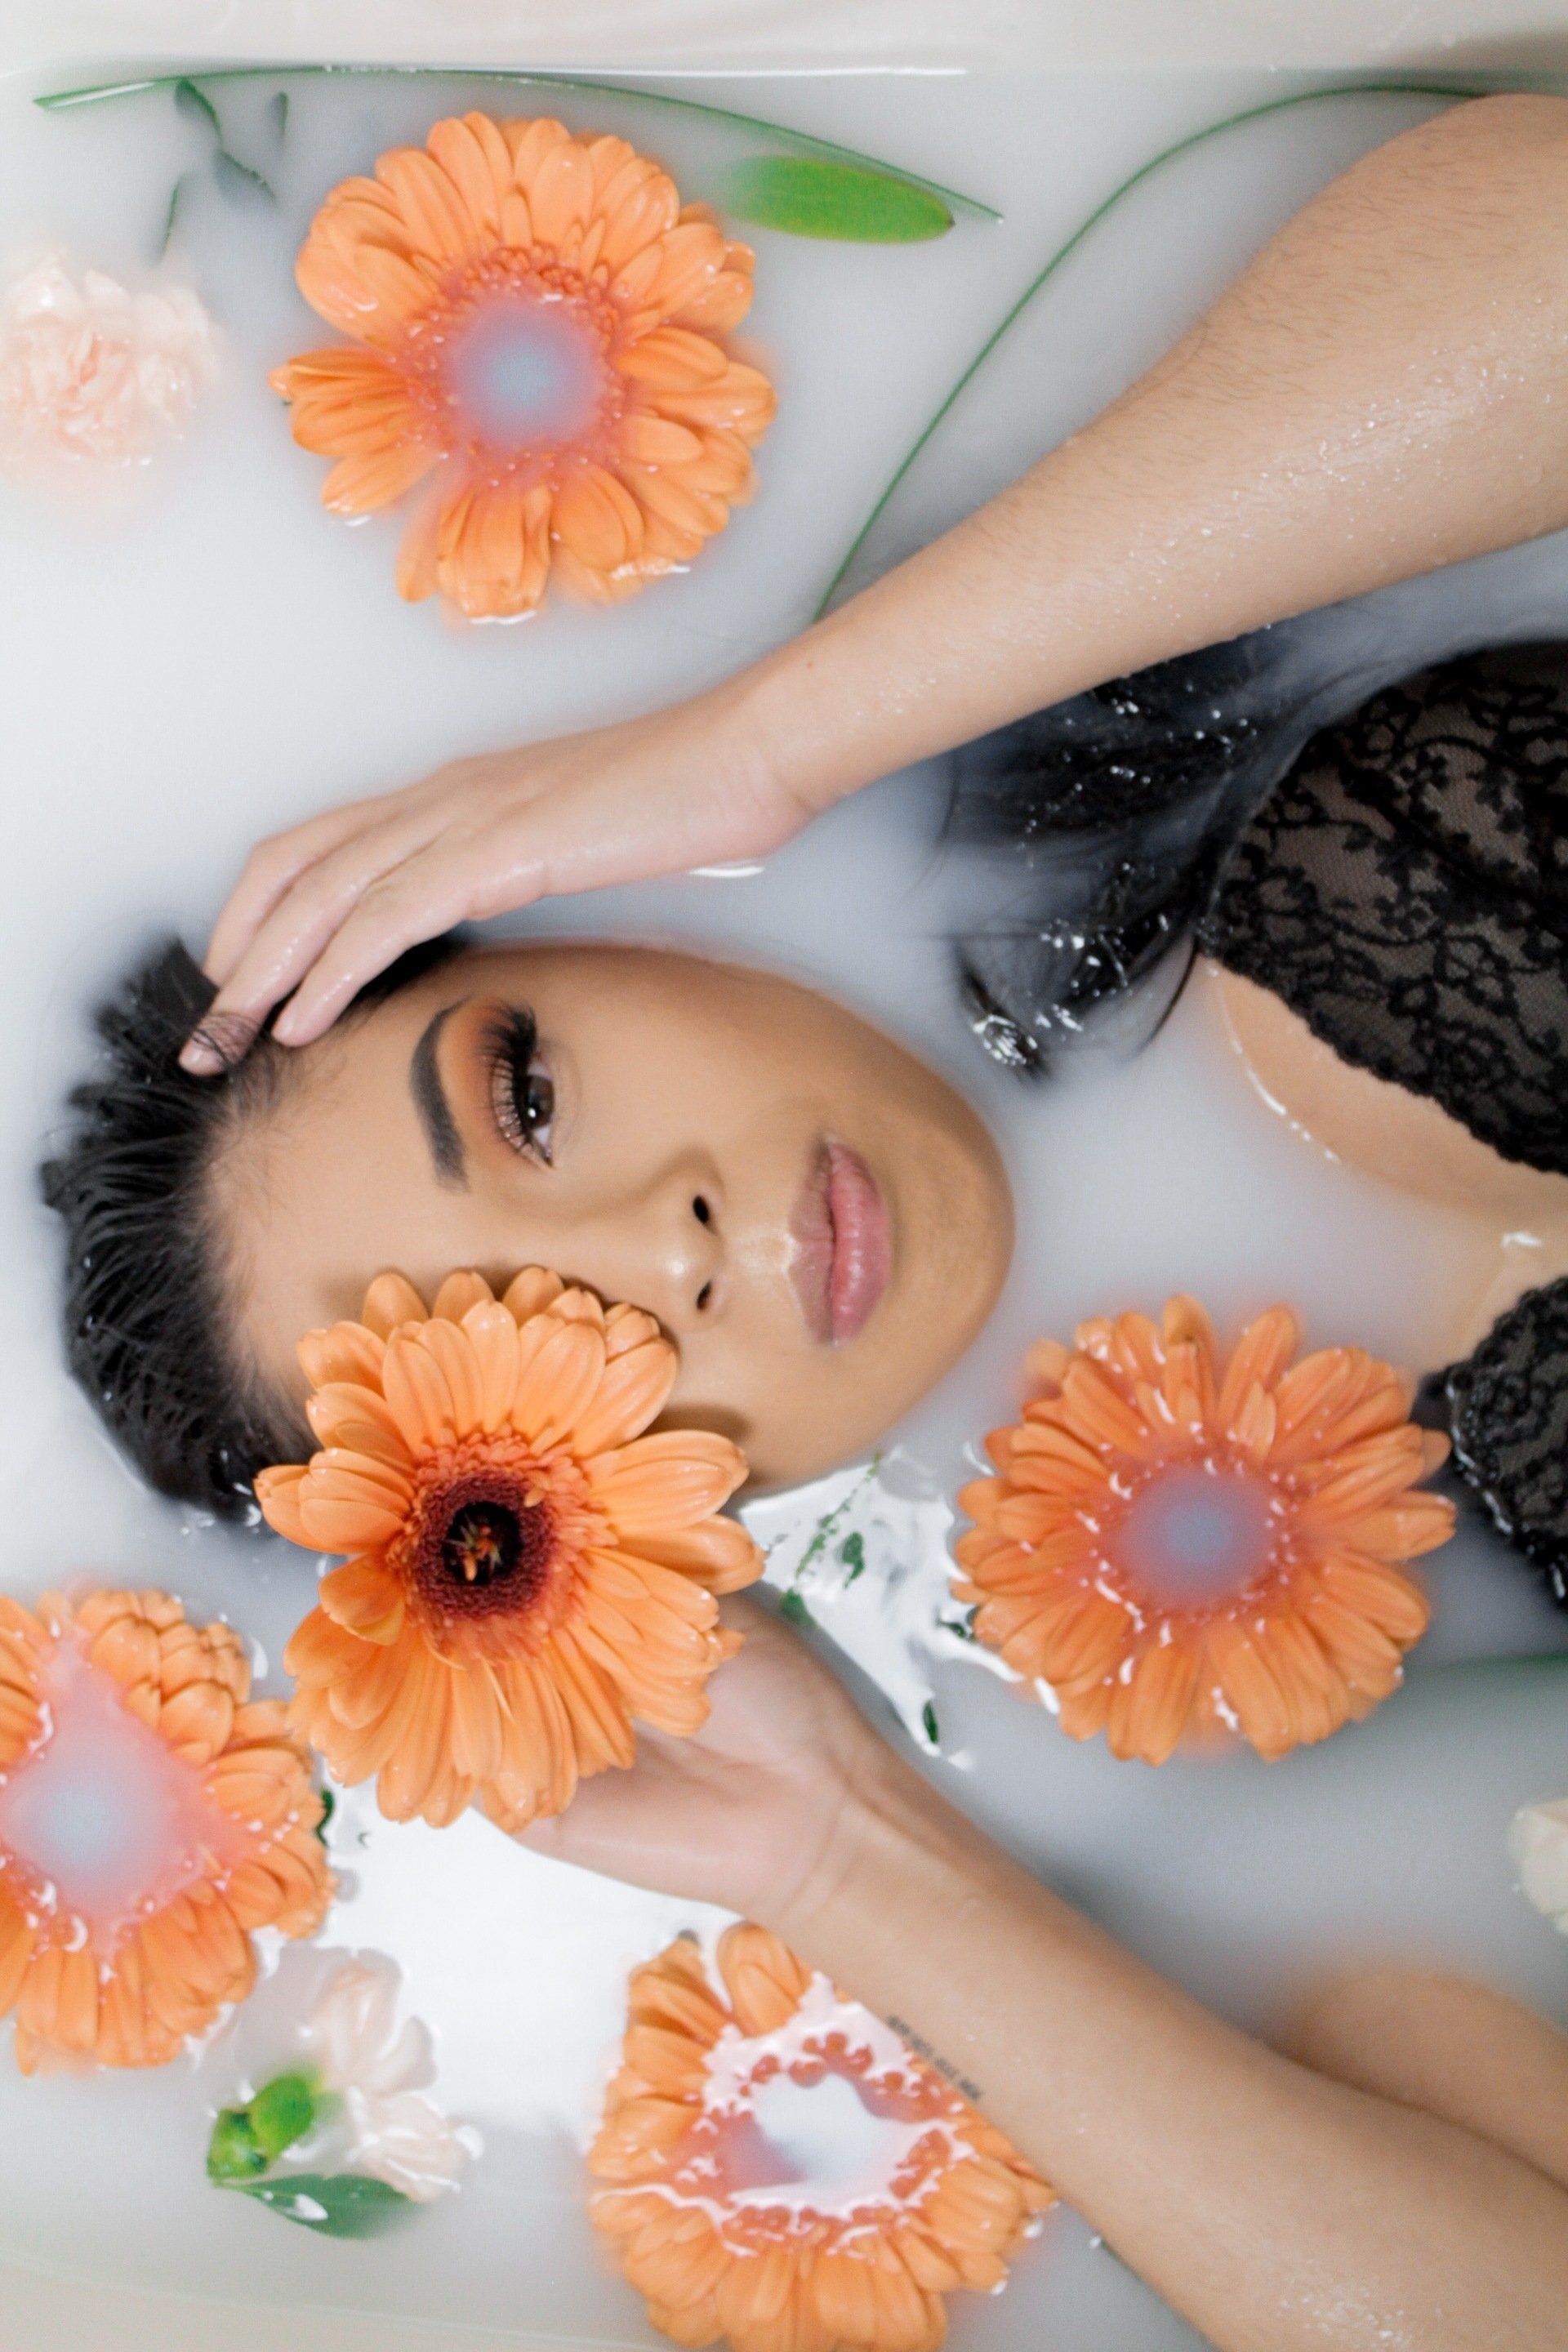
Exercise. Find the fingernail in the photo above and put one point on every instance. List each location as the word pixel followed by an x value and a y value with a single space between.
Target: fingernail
pixel 217 1044
pixel 286 1028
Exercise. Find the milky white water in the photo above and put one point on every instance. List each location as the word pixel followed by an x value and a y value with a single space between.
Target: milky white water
pixel 224 658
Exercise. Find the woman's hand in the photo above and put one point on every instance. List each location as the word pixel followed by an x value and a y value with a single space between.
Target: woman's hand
pixel 322 910
pixel 752 1812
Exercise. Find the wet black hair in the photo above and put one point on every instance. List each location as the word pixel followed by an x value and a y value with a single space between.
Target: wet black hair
pixel 149 1331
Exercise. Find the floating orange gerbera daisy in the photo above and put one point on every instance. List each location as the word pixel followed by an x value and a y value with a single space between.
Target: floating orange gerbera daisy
pixel 530 1571
pixel 152 1817
pixel 776 2167
pixel 541 319
pixel 1180 1546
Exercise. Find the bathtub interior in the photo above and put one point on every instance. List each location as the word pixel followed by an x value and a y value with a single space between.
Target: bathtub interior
pixel 221 657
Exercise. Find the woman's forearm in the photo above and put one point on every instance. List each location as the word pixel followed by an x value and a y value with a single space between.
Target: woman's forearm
pixel 1384 390
pixel 1271 2205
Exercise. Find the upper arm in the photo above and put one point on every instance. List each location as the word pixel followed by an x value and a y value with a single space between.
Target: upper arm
pixel 1452 2049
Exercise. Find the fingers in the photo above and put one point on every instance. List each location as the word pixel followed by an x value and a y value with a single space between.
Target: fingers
pixel 306 914
pixel 268 871
pixel 415 900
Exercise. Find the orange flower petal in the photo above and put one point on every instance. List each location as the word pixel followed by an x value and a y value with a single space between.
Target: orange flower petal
pixel 557 1387
pixel 597 519
pixel 363 1598
pixel 348 1351
pixel 358 485
pixel 659 1485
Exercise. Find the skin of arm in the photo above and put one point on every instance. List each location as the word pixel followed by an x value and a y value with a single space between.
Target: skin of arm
pixel 1398 2183
pixel 1384 390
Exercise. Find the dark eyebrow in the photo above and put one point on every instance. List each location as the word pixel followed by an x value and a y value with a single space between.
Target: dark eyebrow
pixel 430 1102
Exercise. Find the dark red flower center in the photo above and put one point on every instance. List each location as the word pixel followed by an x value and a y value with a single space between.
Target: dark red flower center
pixel 486 1546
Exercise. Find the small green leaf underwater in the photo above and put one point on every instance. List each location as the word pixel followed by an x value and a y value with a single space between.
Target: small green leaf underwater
pixel 928 1717
pixel 852 1552
pixel 283 2112
pixel 233 2152
pixel 233 177
pixel 175 193
pixel 335 2204
pixel 192 101
pixel 237 181
pixel 806 196
pixel 246 2140
pixel 792 1606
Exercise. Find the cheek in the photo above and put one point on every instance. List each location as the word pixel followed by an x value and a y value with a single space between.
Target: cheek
pixel 796 1417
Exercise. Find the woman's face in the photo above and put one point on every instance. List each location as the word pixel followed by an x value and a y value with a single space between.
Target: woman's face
pixel 818 1222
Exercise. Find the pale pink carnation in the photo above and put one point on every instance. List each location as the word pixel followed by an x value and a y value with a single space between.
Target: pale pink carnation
pixel 90 370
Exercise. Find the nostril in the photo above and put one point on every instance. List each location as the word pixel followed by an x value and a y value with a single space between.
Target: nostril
pixel 704 1297
pixel 701 1211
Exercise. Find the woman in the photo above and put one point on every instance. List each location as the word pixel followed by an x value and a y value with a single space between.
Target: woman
pixel 1382 392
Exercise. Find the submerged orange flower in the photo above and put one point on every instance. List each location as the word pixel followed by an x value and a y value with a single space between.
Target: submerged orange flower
pixel 777 2169
pixel 530 1571
pixel 540 318
pixel 152 1816
pixel 1178 1546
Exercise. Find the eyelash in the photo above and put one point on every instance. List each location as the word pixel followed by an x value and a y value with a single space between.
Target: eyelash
pixel 510 1046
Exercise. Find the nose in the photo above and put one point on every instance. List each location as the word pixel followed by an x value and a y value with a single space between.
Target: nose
pixel 666 1251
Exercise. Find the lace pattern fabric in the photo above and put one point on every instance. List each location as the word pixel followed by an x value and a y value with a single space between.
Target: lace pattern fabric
pixel 1405 892
pixel 1508 1415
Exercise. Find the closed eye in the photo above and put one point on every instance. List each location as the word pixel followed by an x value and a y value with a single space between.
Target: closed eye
pixel 520 1089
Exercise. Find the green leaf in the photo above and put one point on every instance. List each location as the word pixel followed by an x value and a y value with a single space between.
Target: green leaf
pixel 278 113
pixel 336 2204
pixel 928 1716
pixel 233 2154
pixel 196 103
pixel 282 2113
pixel 852 1552
pixel 793 1607
pixel 175 193
pixel 238 180
pixel 328 1807
pixel 233 176
pixel 807 196
pixel 963 1626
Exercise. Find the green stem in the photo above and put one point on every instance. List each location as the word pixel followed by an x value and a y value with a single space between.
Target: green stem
pixel 802 142
pixel 1145 171
pixel 1510 1664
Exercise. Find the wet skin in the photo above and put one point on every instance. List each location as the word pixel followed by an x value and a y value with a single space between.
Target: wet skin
pixel 816 1218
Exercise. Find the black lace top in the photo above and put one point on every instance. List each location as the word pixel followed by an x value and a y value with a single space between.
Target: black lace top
pixel 1399 878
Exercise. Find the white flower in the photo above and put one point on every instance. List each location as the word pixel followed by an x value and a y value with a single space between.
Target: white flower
pixel 90 370
pixel 372 2063
pixel 1538 1843
pixel 354 2036
pixel 408 2142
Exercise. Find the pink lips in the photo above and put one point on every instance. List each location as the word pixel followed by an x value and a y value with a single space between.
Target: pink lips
pixel 844 1245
